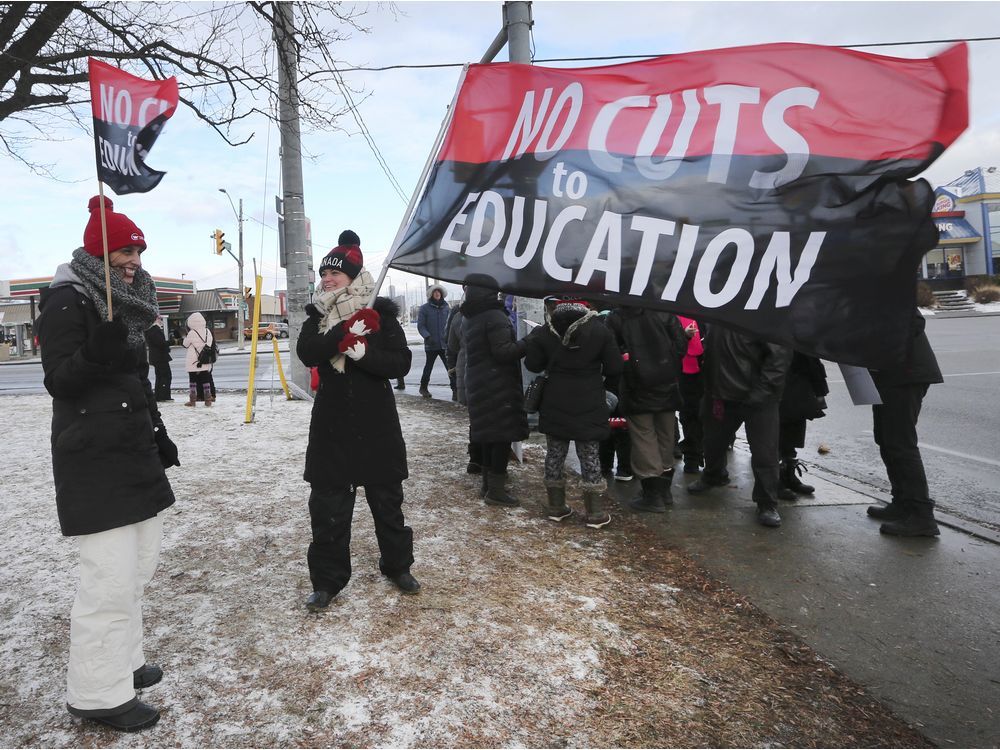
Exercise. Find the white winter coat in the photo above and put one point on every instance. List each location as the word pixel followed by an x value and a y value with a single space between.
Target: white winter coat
pixel 197 338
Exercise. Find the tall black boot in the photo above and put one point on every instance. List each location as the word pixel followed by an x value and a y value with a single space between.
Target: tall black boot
pixel 894 511
pixel 495 492
pixel 791 468
pixel 918 521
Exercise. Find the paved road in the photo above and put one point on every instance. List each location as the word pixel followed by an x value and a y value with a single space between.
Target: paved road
pixel 958 427
pixel 959 424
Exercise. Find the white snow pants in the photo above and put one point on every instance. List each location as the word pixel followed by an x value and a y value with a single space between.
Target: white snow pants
pixel 105 635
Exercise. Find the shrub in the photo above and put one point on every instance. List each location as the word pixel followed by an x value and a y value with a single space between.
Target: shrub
pixel 986 293
pixel 925 297
pixel 972 283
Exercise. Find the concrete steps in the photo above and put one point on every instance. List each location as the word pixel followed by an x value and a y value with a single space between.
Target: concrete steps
pixel 953 301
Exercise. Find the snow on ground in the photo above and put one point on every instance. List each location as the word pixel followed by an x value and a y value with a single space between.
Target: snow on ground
pixel 527 633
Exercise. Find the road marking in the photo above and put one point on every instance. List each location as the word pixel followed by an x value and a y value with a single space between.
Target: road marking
pixel 959 454
pixel 947 375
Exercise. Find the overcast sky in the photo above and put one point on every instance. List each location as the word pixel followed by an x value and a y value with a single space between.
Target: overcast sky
pixel 42 220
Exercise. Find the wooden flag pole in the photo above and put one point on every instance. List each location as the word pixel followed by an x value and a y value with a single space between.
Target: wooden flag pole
pixel 104 235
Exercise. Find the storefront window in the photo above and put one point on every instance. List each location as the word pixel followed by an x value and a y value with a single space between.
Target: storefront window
pixel 993 216
pixel 945 262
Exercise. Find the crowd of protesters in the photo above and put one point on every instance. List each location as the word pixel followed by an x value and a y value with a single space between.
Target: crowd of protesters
pixel 614 382
pixel 618 382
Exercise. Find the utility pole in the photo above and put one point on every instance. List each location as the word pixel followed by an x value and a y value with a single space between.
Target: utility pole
pixel 241 301
pixel 241 297
pixel 517 25
pixel 297 260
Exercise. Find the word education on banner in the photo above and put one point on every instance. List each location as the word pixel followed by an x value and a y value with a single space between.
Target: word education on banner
pixel 763 187
pixel 129 113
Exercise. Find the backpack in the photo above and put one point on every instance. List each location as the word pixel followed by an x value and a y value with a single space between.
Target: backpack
pixel 208 354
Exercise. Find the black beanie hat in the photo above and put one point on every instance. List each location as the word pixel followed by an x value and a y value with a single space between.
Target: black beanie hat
pixel 345 258
pixel 347 237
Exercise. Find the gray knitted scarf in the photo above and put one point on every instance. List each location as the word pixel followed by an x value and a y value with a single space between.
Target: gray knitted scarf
pixel 133 304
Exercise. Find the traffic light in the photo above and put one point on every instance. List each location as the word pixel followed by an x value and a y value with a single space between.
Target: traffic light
pixel 219 234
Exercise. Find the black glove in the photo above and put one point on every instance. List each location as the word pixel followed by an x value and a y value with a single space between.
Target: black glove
pixel 312 311
pixel 166 448
pixel 107 344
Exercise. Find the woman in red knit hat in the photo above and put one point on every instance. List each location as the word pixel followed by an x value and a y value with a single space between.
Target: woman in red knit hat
pixel 109 455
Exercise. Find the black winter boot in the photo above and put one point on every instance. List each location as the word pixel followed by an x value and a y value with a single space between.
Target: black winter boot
pixel 767 515
pixel 894 511
pixel 663 488
pixel 918 521
pixel 557 509
pixel 649 501
pixel 146 676
pixel 495 492
pixel 136 716
pixel 791 469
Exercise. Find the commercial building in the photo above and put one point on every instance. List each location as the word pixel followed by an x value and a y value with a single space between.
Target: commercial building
pixel 967 214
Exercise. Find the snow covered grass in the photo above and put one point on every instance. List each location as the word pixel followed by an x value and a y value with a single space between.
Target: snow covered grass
pixel 527 633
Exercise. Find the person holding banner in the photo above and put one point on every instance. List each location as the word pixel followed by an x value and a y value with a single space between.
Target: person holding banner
pixel 493 385
pixel 354 435
pixel 744 379
pixel 109 454
pixel 902 389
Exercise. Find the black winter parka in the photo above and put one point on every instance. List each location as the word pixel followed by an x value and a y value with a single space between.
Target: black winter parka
pixel 744 369
pixel 105 462
pixel 578 359
pixel 492 370
pixel 655 343
pixel 354 434
pixel 920 365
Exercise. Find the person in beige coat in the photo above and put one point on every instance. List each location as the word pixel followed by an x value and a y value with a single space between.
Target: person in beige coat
pixel 199 376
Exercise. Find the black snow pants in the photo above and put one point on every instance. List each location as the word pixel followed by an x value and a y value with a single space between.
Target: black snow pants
pixel 332 510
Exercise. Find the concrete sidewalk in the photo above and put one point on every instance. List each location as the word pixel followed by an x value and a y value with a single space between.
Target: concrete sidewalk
pixel 917 621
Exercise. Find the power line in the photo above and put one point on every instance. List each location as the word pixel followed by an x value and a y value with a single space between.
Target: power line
pixel 597 58
pixel 356 113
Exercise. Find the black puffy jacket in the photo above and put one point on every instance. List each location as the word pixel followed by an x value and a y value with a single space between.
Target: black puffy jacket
pixel 744 369
pixel 493 370
pixel 579 352
pixel 354 433
pixel 105 461
pixel 655 343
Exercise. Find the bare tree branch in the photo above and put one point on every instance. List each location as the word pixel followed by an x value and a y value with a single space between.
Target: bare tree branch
pixel 221 54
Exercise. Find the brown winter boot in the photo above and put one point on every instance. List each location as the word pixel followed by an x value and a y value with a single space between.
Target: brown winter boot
pixel 192 395
pixel 557 509
pixel 593 502
pixel 208 400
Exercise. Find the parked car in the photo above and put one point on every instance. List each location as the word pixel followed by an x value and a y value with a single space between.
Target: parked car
pixel 268 331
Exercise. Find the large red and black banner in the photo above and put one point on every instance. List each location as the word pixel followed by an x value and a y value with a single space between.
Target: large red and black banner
pixel 763 187
pixel 129 113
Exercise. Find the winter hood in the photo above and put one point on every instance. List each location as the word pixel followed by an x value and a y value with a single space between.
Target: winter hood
pixel 196 322
pixel 65 275
pixel 432 287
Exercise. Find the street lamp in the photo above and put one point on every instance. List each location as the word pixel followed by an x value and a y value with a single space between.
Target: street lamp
pixel 240 298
